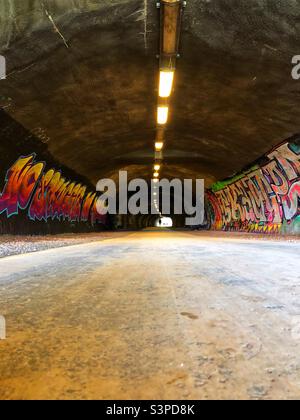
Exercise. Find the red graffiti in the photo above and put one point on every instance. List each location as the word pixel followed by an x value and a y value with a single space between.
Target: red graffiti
pixel 87 206
pixel 46 195
pixel 96 216
pixel 21 180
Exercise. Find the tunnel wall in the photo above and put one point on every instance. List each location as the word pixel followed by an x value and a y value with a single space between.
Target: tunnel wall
pixel 265 198
pixel 38 195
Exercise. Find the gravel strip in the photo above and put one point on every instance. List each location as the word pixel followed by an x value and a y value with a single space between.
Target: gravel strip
pixel 12 245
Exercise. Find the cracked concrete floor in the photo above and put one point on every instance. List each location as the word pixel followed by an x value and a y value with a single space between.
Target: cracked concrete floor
pixel 158 315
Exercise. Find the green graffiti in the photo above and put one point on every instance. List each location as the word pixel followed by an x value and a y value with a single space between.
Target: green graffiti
pixel 295 148
pixel 291 228
pixel 218 186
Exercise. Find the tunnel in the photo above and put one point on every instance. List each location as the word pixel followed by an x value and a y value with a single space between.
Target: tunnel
pixel 149 202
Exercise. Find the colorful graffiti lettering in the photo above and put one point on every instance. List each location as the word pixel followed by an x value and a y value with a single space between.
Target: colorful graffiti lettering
pixel 264 200
pixel 21 180
pixel 46 195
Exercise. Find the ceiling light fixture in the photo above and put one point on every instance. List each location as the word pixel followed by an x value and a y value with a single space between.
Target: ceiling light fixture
pixel 159 146
pixel 162 115
pixel 166 79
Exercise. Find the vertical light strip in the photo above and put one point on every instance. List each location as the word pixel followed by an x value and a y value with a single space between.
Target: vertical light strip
pixel 162 115
pixel 171 13
pixel 166 79
pixel 159 146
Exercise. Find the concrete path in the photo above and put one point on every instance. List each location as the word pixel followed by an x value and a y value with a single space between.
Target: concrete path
pixel 153 315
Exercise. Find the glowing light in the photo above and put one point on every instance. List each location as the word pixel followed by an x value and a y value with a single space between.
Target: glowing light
pixel 156 167
pixel 159 146
pixel 164 222
pixel 162 115
pixel 156 174
pixel 166 83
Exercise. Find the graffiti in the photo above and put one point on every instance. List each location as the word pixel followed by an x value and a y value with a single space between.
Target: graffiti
pixel 21 180
pixel 266 199
pixel 46 195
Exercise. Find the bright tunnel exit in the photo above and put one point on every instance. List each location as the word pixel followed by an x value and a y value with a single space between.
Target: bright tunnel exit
pixel 164 222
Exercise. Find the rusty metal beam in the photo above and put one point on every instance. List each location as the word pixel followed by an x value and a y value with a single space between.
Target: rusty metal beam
pixel 171 16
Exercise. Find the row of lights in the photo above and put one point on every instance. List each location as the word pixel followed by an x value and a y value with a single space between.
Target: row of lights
pixel 165 89
pixel 171 11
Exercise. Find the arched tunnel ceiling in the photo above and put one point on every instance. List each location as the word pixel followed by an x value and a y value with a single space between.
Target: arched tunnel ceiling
pixel 83 73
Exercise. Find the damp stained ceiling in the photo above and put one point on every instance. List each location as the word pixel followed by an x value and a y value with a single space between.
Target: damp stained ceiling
pixel 83 74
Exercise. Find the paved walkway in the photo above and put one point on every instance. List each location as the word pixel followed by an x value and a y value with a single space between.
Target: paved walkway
pixel 153 315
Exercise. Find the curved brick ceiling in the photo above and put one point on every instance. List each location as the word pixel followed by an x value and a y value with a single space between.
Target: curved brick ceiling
pixel 82 74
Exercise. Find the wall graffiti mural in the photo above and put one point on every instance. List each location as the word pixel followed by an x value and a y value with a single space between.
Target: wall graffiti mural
pixel 266 199
pixel 46 195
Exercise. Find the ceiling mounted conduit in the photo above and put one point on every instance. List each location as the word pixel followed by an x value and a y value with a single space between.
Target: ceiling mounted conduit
pixel 170 29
